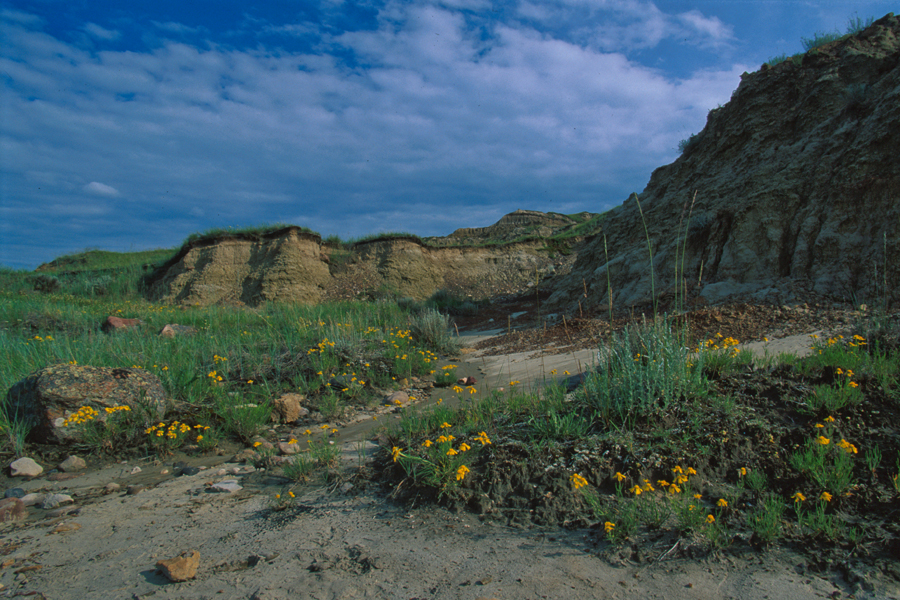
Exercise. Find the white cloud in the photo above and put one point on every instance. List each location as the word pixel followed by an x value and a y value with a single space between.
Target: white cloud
pixel 101 33
pixel 432 117
pixel 101 189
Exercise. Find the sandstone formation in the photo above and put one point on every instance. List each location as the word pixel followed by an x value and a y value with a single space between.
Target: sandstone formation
pixel 286 264
pixel 797 183
pixel 291 265
pixel 48 397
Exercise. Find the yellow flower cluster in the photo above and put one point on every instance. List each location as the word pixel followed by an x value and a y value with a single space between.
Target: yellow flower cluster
pixel 578 481
pixel 321 346
pixel 176 427
pixel 82 415
pixel 847 447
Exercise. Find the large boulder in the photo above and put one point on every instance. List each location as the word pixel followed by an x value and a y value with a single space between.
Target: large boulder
pixel 48 397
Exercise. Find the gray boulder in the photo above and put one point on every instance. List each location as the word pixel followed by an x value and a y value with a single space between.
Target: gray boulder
pixel 49 396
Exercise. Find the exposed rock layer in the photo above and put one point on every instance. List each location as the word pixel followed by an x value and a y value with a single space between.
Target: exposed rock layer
pixel 290 265
pixel 797 184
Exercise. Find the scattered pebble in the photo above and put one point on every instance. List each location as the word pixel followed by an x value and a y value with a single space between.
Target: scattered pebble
pixel 54 500
pixel 111 487
pixel 131 490
pixel 14 493
pixel 25 467
pixel 32 499
pixel 181 568
pixel 72 463
pixel 229 486
pixel 135 470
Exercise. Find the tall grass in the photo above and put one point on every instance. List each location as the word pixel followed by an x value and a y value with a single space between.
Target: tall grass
pixel 645 369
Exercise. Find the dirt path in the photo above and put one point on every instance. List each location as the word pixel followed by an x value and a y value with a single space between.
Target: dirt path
pixel 350 541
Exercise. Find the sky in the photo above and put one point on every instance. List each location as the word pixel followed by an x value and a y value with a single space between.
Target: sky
pixel 128 126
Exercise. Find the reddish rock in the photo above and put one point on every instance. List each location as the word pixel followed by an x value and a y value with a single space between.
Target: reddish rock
pixel 288 408
pixel 466 381
pixel 49 396
pixel 119 324
pixel 182 567
pixel 12 509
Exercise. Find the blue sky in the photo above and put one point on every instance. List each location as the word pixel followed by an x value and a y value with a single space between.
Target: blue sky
pixel 130 125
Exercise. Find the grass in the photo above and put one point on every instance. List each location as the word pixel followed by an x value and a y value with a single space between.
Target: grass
pixel 225 376
pixel 855 25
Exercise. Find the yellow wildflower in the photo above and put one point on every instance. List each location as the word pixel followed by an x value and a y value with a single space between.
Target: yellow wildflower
pixel 578 481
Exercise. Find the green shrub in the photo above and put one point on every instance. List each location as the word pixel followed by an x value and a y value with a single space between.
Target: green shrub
pixel 431 328
pixel 819 39
pixel 646 368
pixel 685 146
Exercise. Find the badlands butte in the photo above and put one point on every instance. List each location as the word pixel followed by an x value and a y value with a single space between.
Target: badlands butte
pixel 789 193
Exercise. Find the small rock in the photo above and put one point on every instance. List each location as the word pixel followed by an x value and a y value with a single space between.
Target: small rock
pixel 245 455
pixel 63 476
pixel 189 471
pixel 262 444
pixel 111 487
pixel 131 490
pixel 467 380
pixel 14 493
pixel 32 499
pixel 119 324
pixel 164 472
pixel 228 486
pixel 288 407
pixel 135 470
pixel 172 330
pixel 54 500
pixel 182 567
pixel 397 398
pixel 287 448
pixel 220 473
pixel 73 463
pixel 25 467
pixel 12 509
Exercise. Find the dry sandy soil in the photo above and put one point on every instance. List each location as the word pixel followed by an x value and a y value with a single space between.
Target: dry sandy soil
pixel 349 540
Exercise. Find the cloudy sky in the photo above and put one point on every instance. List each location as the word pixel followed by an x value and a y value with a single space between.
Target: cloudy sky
pixel 130 125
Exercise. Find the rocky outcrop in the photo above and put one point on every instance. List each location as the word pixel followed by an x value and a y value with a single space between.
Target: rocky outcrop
pixel 295 266
pixel 797 187
pixel 409 268
pixel 283 265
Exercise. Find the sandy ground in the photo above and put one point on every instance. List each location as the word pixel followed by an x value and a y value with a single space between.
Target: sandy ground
pixel 350 541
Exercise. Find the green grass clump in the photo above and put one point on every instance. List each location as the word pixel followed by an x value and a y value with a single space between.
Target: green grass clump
pixel 646 369
pixel 248 232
